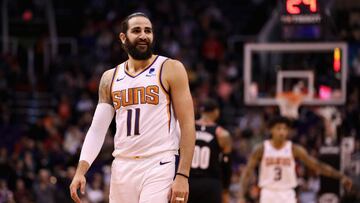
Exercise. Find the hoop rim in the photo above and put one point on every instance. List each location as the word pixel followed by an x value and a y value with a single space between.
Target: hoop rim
pixel 289 103
pixel 290 97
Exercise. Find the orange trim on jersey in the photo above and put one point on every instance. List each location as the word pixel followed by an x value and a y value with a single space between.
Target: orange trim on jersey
pixel 133 76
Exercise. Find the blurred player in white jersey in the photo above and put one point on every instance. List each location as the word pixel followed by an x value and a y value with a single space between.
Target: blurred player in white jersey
pixel 277 175
pixel 150 97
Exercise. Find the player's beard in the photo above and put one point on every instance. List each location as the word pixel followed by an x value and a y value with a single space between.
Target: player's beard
pixel 136 53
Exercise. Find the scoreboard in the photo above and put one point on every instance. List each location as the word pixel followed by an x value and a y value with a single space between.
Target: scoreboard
pixel 301 12
pixel 293 6
pixel 301 19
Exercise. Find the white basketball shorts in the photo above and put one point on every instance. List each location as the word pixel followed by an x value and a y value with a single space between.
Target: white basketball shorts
pixel 142 180
pixel 277 196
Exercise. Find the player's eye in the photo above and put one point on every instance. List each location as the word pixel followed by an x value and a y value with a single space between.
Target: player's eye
pixel 136 31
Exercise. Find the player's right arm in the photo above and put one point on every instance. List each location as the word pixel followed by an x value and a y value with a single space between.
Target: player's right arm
pixel 95 136
pixel 253 161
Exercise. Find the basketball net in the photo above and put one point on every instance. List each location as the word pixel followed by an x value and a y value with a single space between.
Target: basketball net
pixel 289 103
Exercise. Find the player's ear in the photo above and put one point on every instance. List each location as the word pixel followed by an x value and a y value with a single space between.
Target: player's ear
pixel 122 37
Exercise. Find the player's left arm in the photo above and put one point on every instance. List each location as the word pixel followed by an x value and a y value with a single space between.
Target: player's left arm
pixel 319 166
pixel 178 85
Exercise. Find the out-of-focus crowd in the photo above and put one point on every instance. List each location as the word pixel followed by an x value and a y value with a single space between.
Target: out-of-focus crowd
pixel 38 157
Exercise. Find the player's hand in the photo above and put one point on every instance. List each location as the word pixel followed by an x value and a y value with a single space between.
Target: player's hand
pixel 79 181
pixel 347 183
pixel 179 192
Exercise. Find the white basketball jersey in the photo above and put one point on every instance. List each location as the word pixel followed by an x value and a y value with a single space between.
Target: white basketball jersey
pixel 145 120
pixel 277 169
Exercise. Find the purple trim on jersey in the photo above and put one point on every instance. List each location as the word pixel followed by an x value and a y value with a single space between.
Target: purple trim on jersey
pixel 134 76
pixel 161 83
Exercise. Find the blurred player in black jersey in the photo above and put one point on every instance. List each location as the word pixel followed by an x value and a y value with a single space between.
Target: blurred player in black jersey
pixel 211 168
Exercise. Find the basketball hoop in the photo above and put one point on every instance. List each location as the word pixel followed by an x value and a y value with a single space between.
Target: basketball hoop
pixel 289 103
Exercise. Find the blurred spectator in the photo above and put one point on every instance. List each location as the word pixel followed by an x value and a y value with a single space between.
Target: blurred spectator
pixel 73 140
pixel 64 180
pixel 64 108
pixel 85 103
pixel 6 196
pixel 22 194
pixel 44 190
pixel 5 168
pixel 29 165
pixel 94 190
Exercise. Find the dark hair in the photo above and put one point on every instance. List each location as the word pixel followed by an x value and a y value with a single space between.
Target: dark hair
pixel 209 105
pixel 125 23
pixel 279 120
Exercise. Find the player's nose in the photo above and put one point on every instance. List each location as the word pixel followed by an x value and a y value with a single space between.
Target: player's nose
pixel 143 35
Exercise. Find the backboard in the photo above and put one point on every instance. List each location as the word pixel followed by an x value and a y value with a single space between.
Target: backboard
pixel 317 70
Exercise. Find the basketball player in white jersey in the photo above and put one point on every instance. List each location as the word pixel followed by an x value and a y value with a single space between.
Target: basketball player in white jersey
pixel 150 97
pixel 277 175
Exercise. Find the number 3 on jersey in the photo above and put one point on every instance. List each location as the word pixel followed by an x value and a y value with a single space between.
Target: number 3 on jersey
pixel 278 174
pixel 201 158
pixel 129 121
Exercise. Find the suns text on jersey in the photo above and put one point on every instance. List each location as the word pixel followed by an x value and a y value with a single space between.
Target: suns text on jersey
pixel 136 95
pixel 282 161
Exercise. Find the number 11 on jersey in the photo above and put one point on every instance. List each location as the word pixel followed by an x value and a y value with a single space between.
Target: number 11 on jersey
pixel 129 121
